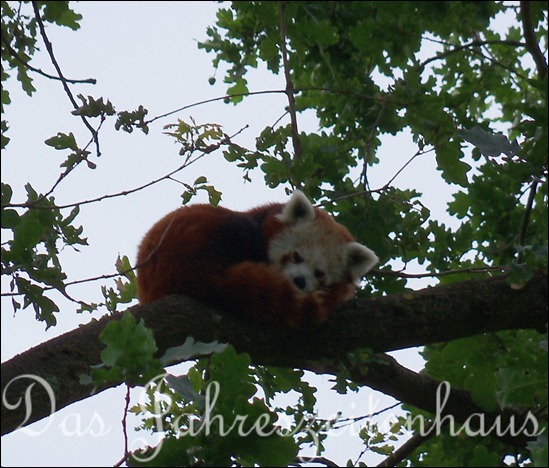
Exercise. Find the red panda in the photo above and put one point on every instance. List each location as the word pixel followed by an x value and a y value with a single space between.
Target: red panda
pixel 285 263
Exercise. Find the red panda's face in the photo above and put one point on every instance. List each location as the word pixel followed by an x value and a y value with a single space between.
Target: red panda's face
pixel 315 252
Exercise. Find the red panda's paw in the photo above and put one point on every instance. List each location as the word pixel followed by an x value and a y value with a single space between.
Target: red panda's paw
pixel 311 309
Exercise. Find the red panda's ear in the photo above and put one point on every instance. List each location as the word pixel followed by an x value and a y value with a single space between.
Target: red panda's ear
pixel 298 209
pixel 360 259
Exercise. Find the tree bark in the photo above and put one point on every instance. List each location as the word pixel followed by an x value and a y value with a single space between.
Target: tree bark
pixel 442 313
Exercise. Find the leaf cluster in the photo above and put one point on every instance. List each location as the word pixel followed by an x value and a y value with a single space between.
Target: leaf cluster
pixel 19 42
pixel 212 415
pixel 31 256
pixel 452 76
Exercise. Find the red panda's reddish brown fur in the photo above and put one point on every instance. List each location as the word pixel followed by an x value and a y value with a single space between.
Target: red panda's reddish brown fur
pixel 257 263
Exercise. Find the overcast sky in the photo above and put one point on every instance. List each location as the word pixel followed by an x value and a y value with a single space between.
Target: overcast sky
pixel 145 53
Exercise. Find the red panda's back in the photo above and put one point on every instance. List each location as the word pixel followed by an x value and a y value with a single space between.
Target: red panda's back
pixel 189 246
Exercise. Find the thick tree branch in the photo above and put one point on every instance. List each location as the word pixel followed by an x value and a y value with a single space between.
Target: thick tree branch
pixel 431 315
pixel 384 374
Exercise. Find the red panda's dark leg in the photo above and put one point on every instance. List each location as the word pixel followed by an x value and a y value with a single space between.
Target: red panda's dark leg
pixel 260 290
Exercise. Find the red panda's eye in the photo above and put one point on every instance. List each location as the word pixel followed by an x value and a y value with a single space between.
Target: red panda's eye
pixel 296 258
pixel 319 274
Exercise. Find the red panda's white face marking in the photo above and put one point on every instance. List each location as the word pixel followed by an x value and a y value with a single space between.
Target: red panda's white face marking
pixel 313 252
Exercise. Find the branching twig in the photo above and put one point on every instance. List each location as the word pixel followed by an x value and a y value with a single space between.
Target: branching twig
pixel 347 421
pixel 68 91
pixel 479 270
pixel 289 83
pixel 470 45
pixel 388 184
pixel 187 163
pixel 68 170
pixel 381 189
pixel 27 64
pixel 474 48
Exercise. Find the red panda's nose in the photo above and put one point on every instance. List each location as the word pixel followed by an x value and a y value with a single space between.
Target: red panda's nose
pixel 300 282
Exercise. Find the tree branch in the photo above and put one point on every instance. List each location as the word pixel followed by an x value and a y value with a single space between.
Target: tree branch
pixel 386 375
pixel 383 324
pixel 530 38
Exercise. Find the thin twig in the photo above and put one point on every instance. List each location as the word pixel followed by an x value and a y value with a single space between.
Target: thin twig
pixel 70 283
pixel 289 83
pixel 526 220
pixel 277 91
pixel 418 153
pixel 207 101
pixel 125 422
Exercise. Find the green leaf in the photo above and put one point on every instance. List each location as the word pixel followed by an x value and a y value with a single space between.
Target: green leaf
pixel 62 141
pixel 59 12
pixel 165 454
pixel 538 449
pixel 516 385
pixel 489 144
pixel 7 193
pixel 453 169
pixel 184 387
pixel 214 196
pixel 93 107
pixel 129 352
pixel 483 457
pixel 25 80
pixel 127 120
pixel 238 90
pixel 200 180
pixel 190 349
pixel 460 205
pixel 28 232
pixel 43 306
pixel 10 218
